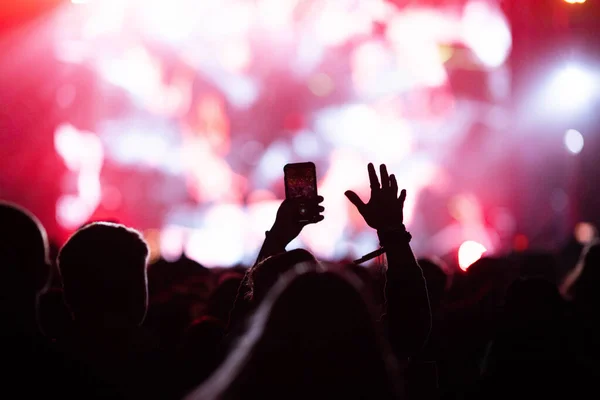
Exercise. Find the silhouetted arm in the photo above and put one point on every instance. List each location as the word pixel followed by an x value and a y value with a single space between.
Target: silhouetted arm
pixel 408 316
pixel 285 229
pixel 271 246
pixel 408 313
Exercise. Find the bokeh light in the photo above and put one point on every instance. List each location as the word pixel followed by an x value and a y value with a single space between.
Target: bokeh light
pixel 173 115
pixel 572 88
pixel 585 233
pixel 469 252
pixel 574 141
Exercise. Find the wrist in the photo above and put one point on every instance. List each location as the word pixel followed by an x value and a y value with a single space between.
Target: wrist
pixel 393 235
pixel 275 240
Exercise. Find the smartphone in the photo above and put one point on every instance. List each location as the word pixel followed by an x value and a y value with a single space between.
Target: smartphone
pixel 301 187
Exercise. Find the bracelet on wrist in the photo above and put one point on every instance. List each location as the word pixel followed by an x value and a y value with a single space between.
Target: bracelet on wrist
pixel 393 234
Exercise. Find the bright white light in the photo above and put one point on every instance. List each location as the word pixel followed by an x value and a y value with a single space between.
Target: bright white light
pixel 167 20
pixel 574 141
pixel 334 25
pixel 276 14
pixel 486 31
pixel 306 145
pixel 468 253
pixel 389 136
pixel 572 87
pixel 172 240
pixel 220 242
pixel 82 153
pixel 236 56
pixel 137 71
pixel 272 162
pixel 71 212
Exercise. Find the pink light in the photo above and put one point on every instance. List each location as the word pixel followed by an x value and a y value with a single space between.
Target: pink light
pixel 172 240
pixel 468 253
pixel 71 211
pixel 236 56
pixel 486 32
pixel 83 154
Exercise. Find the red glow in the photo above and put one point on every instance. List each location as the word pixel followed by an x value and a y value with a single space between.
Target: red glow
pixel 521 243
pixel 198 119
pixel 468 253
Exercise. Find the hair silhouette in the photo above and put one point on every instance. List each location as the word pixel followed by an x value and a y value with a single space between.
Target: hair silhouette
pixel 24 266
pixel 313 336
pixel 103 269
pixel 23 250
pixel 264 275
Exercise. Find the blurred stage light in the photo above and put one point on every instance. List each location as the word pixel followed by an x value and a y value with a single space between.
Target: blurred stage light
pixel 585 232
pixel 159 57
pixel 83 155
pixel 520 243
pixel 152 238
pixel 575 1
pixel 574 141
pixel 572 87
pixel 172 242
pixel 320 84
pixel 487 32
pixel 468 253
pixel 220 240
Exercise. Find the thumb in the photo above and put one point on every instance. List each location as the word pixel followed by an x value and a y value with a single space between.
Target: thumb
pixel 354 199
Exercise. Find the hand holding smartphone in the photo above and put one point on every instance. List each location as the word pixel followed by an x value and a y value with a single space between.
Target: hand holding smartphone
pixel 301 188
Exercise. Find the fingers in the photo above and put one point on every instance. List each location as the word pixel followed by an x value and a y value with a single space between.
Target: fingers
pixel 318 218
pixel 385 180
pixel 402 197
pixel 394 185
pixel 354 199
pixel 320 199
pixel 373 180
pixel 321 209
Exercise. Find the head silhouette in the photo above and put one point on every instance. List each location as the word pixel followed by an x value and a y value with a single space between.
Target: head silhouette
pixel 264 275
pixel 23 252
pixel 532 305
pixel 24 267
pixel 103 270
pixel 313 336
pixel 223 298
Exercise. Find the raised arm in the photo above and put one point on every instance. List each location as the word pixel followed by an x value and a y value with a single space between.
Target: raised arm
pixel 408 314
pixel 285 229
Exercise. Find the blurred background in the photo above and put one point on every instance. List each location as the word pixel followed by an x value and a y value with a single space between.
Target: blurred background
pixel 177 117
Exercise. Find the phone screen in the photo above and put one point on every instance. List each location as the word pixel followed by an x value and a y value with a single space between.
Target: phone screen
pixel 300 181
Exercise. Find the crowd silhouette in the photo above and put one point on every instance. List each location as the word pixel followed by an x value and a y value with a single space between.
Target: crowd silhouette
pixel 99 322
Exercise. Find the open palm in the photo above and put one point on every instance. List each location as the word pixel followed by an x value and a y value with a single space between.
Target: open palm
pixel 384 210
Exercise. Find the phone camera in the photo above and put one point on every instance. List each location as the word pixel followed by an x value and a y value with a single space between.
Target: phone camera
pixel 302 210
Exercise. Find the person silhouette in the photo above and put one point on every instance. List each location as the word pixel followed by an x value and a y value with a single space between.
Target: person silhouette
pixel 25 268
pixel 103 271
pixel 31 365
pixel 314 335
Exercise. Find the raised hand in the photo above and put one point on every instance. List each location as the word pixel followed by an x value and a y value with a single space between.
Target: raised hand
pixel 287 227
pixel 385 208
